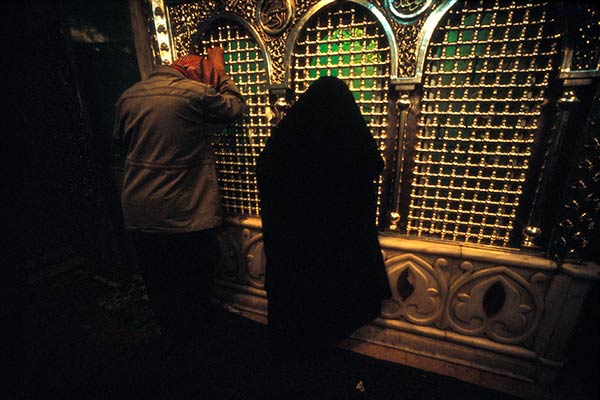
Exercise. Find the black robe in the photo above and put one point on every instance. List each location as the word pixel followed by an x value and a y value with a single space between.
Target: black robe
pixel 325 275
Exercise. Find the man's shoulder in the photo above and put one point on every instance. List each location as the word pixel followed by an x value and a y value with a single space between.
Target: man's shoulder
pixel 167 84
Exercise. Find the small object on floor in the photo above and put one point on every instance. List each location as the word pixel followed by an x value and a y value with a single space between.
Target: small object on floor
pixel 360 386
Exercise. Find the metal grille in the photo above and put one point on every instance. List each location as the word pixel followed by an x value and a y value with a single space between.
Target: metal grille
pixel 587 31
pixel 485 75
pixel 239 145
pixel 348 43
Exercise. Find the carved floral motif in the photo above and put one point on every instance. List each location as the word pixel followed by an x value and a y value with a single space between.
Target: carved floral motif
pixel 495 302
pixel 229 262
pixel 242 258
pixel 418 289
pixel 253 254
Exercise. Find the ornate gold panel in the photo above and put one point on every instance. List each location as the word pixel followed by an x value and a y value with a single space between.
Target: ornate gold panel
pixel 239 145
pixel 349 43
pixel 486 72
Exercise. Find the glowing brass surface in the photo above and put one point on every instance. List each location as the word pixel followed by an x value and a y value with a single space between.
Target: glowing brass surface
pixel 240 145
pixel 348 43
pixel 485 74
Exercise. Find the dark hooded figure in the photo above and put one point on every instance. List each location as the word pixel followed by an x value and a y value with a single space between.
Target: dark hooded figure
pixel 325 275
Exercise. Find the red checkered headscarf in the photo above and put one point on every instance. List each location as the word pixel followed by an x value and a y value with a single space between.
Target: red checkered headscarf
pixel 198 68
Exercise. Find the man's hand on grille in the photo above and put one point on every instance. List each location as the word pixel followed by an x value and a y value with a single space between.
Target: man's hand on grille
pixel 216 56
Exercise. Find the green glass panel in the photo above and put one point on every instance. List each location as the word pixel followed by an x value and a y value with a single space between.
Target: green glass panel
pixel 370 70
pixel 323 72
pixel 368 96
pixel 483 34
pixel 463 65
pixel 233 45
pixel 323 48
pixel 346 46
pixel 323 60
pixel 478 65
pixel 345 71
pixel 261 65
pixel 465 50
pixel 334 72
pixel 448 65
pixel 356 71
pixel 312 73
pixel 470 19
pixel 450 51
pixel 480 50
pixel 356 83
pixel 452 36
pixel 459 93
pixel 356 95
pixel 335 47
pixel 346 59
pixel 467 35
pixel 335 60
pixel 486 19
pixel 369 83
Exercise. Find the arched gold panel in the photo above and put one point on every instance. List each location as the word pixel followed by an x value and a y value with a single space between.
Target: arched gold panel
pixel 486 73
pixel 238 146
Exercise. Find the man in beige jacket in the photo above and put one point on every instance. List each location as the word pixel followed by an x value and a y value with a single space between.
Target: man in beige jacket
pixel 170 198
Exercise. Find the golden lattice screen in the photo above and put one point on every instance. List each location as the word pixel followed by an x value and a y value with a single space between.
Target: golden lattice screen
pixel 239 145
pixel 486 71
pixel 349 43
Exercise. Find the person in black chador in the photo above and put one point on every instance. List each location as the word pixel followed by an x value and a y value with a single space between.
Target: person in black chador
pixel 325 275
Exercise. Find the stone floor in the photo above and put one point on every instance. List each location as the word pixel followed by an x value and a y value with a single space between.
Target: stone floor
pixel 90 336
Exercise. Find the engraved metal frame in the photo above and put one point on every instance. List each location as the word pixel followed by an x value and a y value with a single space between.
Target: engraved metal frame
pixel 251 29
pixel 407 17
pixel 295 32
pixel 423 41
pixel 290 9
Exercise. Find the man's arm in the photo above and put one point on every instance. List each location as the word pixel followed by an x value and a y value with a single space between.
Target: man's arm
pixel 226 102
